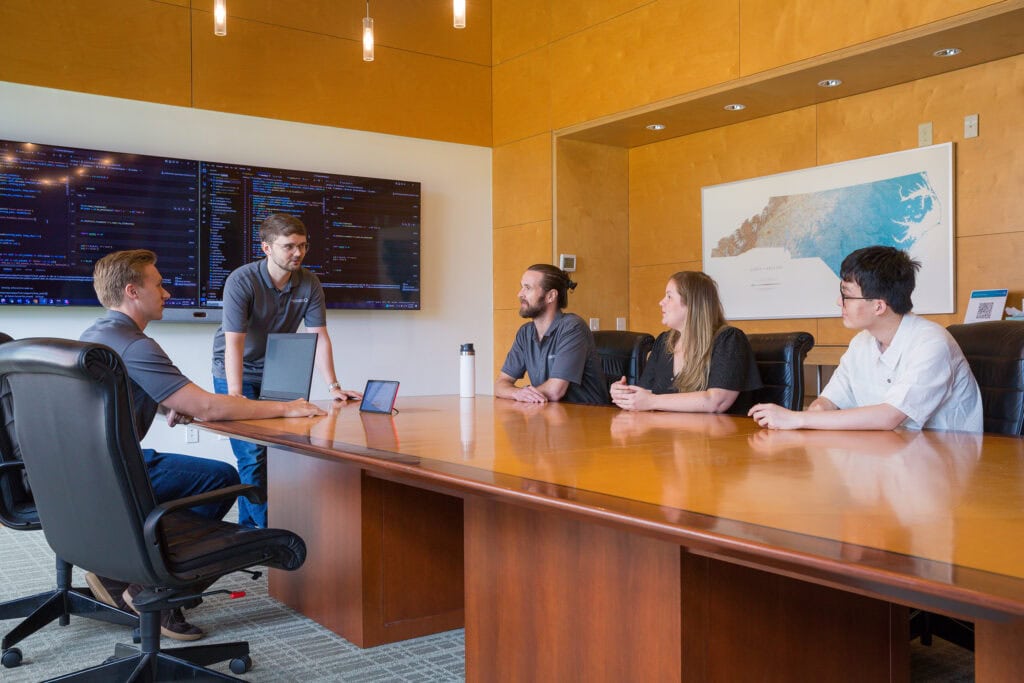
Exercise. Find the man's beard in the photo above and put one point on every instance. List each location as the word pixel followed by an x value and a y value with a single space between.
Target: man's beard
pixel 528 311
pixel 287 265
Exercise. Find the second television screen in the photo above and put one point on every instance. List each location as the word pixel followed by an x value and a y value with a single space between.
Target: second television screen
pixel 364 233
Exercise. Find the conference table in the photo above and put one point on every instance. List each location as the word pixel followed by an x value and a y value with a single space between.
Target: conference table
pixel 588 543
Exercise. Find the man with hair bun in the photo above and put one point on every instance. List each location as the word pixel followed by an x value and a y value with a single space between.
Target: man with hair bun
pixel 557 349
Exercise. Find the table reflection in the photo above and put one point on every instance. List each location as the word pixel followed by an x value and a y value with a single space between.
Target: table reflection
pixel 896 490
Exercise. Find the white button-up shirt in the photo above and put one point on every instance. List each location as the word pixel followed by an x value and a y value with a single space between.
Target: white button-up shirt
pixel 923 374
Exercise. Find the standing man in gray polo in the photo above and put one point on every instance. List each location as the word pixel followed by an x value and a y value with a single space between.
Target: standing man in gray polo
pixel 557 349
pixel 273 295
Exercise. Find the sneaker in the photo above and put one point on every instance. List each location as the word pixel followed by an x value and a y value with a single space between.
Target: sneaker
pixel 107 591
pixel 172 621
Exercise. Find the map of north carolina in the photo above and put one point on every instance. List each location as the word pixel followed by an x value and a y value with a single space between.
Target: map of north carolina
pixel 830 224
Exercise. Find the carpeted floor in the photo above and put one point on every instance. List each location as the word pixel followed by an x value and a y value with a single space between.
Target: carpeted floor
pixel 285 646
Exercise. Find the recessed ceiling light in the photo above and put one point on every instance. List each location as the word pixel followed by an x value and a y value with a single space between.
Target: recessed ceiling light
pixel 830 83
pixel 947 52
pixel 734 107
pixel 656 126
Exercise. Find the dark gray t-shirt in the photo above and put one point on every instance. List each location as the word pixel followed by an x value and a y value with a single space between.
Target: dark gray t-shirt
pixel 566 352
pixel 153 376
pixel 254 306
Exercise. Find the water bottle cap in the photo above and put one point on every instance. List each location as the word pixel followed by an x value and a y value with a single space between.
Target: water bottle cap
pixel 466 348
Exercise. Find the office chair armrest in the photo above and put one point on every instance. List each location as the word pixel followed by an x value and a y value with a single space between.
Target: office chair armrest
pixel 11 466
pixel 251 493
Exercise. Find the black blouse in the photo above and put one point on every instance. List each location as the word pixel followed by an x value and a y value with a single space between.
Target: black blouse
pixel 732 367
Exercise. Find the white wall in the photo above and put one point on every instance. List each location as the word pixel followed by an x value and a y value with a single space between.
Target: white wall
pixel 419 348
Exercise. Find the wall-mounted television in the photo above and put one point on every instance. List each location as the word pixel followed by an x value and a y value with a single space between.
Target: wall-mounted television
pixel 62 208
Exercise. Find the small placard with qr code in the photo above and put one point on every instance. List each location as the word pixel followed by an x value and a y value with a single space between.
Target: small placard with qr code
pixel 985 305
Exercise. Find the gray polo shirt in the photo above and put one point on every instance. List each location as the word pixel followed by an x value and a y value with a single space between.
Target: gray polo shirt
pixel 566 352
pixel 252 305
pixel 153 376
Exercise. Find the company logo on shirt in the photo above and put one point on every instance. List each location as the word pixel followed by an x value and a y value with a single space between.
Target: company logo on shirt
pixel 300 301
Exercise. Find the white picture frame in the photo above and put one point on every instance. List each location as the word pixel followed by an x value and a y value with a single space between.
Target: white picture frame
pixel 774 243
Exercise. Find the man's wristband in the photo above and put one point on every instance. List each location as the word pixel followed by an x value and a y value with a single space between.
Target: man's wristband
pixel 333 385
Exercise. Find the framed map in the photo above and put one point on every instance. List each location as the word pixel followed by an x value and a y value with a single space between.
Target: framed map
pixel 774 244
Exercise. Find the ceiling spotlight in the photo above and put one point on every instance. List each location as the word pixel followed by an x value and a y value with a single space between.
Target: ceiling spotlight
pixel 830 83
pixel 656 126
pixel 947 52
pixel 735 107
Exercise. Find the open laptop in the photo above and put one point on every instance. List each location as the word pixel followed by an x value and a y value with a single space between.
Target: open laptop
pixel 379 396
pixel 288 366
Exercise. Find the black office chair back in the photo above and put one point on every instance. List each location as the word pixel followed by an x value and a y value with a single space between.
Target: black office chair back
pixel 780 360
pixel 72 412
pixel 623 353
pixel 995 352
pixel 17 508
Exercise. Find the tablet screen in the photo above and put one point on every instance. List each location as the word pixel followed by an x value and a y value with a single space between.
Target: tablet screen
pixel 379 396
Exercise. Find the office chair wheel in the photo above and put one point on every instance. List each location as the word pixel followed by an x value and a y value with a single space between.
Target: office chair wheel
pixel 11 658
pixel 240 665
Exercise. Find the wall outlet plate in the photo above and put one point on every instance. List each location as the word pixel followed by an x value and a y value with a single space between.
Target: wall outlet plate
pixel 971 126
pixel 924 134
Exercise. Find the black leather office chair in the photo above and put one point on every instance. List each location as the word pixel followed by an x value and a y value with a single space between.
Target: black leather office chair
pixel 780 360
pixel 995 352
pixel 623 353
pixel 72 411
pixel 18 512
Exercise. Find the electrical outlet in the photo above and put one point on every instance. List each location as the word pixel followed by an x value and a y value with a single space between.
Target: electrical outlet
pixel 971 126
pixel 620 323
pixel 191 434
pixel 924 134
pixel 595 324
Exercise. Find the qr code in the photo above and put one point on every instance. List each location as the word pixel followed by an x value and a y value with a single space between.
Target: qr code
pixel 985 310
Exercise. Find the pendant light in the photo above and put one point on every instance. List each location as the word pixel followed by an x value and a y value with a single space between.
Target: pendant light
pixel 367 35
pixel 459 13
pixel 220 17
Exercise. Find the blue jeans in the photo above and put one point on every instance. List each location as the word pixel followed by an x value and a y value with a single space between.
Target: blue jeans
pixel 175 476
pixel 252 463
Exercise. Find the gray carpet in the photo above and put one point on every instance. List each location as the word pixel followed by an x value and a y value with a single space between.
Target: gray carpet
pixel 285 646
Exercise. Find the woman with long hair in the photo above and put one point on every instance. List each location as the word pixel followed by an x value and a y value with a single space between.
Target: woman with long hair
pixel 701 364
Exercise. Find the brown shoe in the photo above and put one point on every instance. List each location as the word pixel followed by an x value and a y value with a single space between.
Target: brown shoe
pixel 172 621
pixel 107 591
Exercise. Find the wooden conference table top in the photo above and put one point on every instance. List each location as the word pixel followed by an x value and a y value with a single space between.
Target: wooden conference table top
pixel 932 519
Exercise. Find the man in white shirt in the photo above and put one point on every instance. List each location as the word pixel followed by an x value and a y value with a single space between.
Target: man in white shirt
pixel 900 371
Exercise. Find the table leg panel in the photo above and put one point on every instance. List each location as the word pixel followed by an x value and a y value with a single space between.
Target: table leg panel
pixel 550 598
pixel 998 651
pixel 744 624
pixel 384 560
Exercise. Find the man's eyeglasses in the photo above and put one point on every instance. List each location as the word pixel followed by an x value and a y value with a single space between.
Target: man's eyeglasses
pixel 290 248
pixel 845 297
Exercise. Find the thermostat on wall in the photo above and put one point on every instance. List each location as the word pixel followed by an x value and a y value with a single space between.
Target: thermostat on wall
pixel 567 262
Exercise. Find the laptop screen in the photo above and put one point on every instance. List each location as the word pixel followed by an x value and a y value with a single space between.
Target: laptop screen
pixel 288 366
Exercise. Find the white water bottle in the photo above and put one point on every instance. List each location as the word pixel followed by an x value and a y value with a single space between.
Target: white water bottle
pixel 467 371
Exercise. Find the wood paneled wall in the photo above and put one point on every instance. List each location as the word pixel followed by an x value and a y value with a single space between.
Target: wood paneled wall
pixel 294 60
pixel 558 64
pixel 593 223
pixel 666 178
